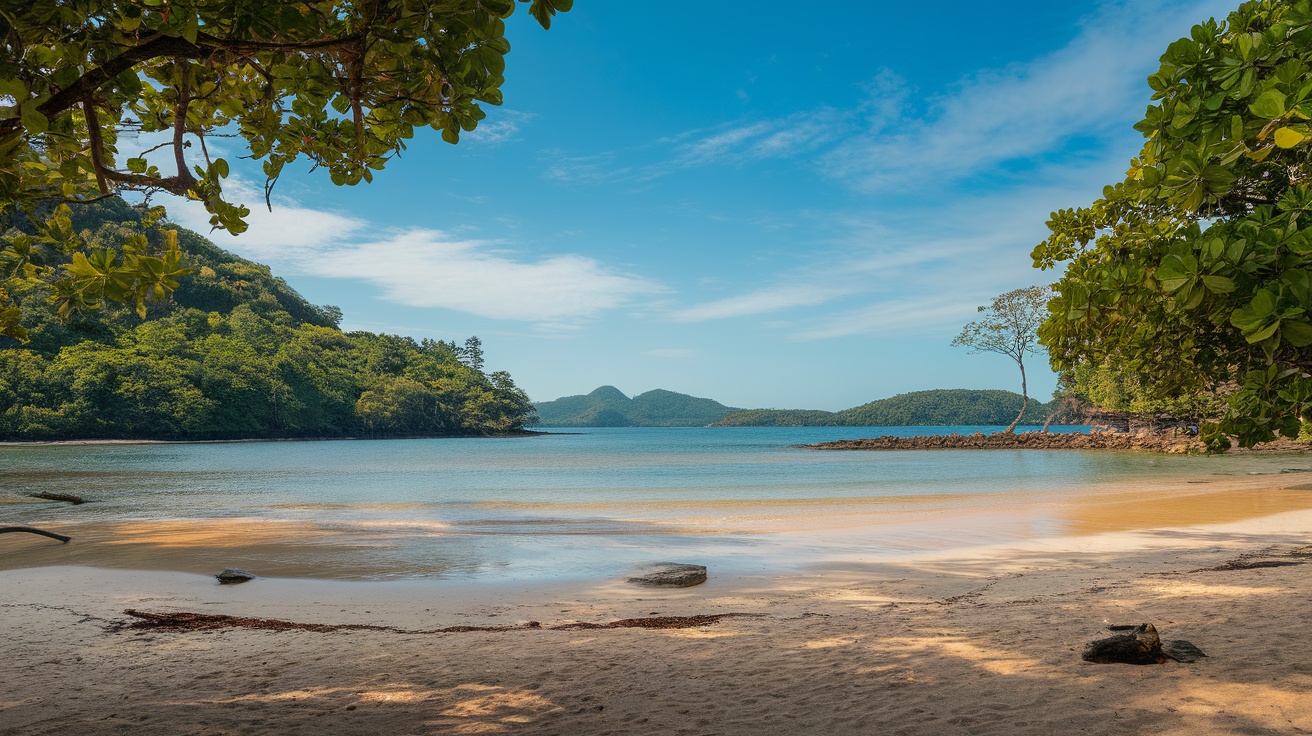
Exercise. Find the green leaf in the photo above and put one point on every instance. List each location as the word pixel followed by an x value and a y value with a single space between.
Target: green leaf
pixel 1288 137
pixel 1263 333
pixel 1218 284
pixel 1298 334
pixel 33 121
pixel 1269 104
pixel 137 165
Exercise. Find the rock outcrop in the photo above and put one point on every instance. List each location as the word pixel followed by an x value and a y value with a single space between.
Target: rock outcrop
pixel 671 575
pixel 1151 442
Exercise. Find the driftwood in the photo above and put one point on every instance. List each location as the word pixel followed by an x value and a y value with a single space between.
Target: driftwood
pixel 75 500
pixel 30 530
pixel 187 621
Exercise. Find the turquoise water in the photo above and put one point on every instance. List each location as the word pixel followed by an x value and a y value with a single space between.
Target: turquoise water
pixel 590 502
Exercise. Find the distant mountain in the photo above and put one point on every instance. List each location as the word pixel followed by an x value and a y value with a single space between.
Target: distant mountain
pixel 939 407
pixel 609 407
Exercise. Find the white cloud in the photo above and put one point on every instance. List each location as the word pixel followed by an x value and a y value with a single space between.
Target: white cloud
pixel 499 127
pixel 427 268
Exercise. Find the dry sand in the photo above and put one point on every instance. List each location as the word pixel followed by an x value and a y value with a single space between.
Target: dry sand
pixel 977 641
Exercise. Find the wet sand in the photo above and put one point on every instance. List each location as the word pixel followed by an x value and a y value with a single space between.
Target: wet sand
pixel 786 535
pixel 983 640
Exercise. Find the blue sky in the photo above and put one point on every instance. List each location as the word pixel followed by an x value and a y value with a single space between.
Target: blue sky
pixel 791 206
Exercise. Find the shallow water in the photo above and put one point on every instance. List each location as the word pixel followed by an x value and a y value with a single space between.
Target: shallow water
pixel 581 504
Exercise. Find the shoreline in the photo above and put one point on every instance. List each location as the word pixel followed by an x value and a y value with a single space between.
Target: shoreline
pixel 855 646
pixel 93 442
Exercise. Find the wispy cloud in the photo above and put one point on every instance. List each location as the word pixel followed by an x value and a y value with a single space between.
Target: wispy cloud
pixel 892 138
pixel 427 268
pixel 430 268
pixel 500 126
pixel 760 301
pixel 733 144
pixel 1091 86
pixel 893 317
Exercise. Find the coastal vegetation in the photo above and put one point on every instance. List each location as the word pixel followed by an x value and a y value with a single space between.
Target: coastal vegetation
pixel 234 353
pixel 1193 276
pixel 341 86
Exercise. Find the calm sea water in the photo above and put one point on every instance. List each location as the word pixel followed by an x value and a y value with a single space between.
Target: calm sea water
pixel 589 503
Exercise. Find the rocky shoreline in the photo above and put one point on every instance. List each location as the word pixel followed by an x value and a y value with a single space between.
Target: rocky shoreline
pixel 1170 443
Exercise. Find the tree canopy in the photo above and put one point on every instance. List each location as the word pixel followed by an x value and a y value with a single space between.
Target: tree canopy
pixel 90 89
pixel 1196 270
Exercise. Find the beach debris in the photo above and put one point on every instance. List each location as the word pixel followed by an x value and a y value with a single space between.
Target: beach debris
pixel 30 530
pixel 1140 646
pixel 671 575
pixel 188 621
pixel 1247 564
pixel 75 500
pixel 232 576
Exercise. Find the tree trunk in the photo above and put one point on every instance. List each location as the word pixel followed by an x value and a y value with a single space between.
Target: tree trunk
pixel 1025 398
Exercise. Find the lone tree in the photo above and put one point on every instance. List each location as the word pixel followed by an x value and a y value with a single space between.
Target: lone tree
pixel 1195 272
pixel 1009 327
pixel 90 88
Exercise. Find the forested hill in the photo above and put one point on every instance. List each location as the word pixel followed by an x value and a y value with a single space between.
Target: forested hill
pixel 609 407
pixel 941 407
pixel 235 353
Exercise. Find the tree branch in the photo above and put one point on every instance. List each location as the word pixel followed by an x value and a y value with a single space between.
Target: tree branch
pixel 97 143
pixel 93 80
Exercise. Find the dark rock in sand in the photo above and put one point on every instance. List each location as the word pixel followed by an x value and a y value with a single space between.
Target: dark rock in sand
pixel 75 500
pixel 1182 651
pixel 1140 646
pixel 232 575
pixel 671 575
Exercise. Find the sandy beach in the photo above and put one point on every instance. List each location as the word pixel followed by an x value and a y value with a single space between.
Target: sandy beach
pixel 973 641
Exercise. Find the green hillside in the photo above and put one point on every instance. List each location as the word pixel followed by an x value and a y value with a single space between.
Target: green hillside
pixel 779 418
pixel 609 407
pixel 940 407
pixel 235 353
pixel 944 407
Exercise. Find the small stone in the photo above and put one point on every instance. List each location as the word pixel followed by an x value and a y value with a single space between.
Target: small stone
pixel 1140 646
pixel 1182 651
pixel 232 576
pixel 671 575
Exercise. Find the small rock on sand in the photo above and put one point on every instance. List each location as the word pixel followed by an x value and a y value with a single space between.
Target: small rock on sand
pixel 232 576
pixel 671 575
pixel 1182 651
